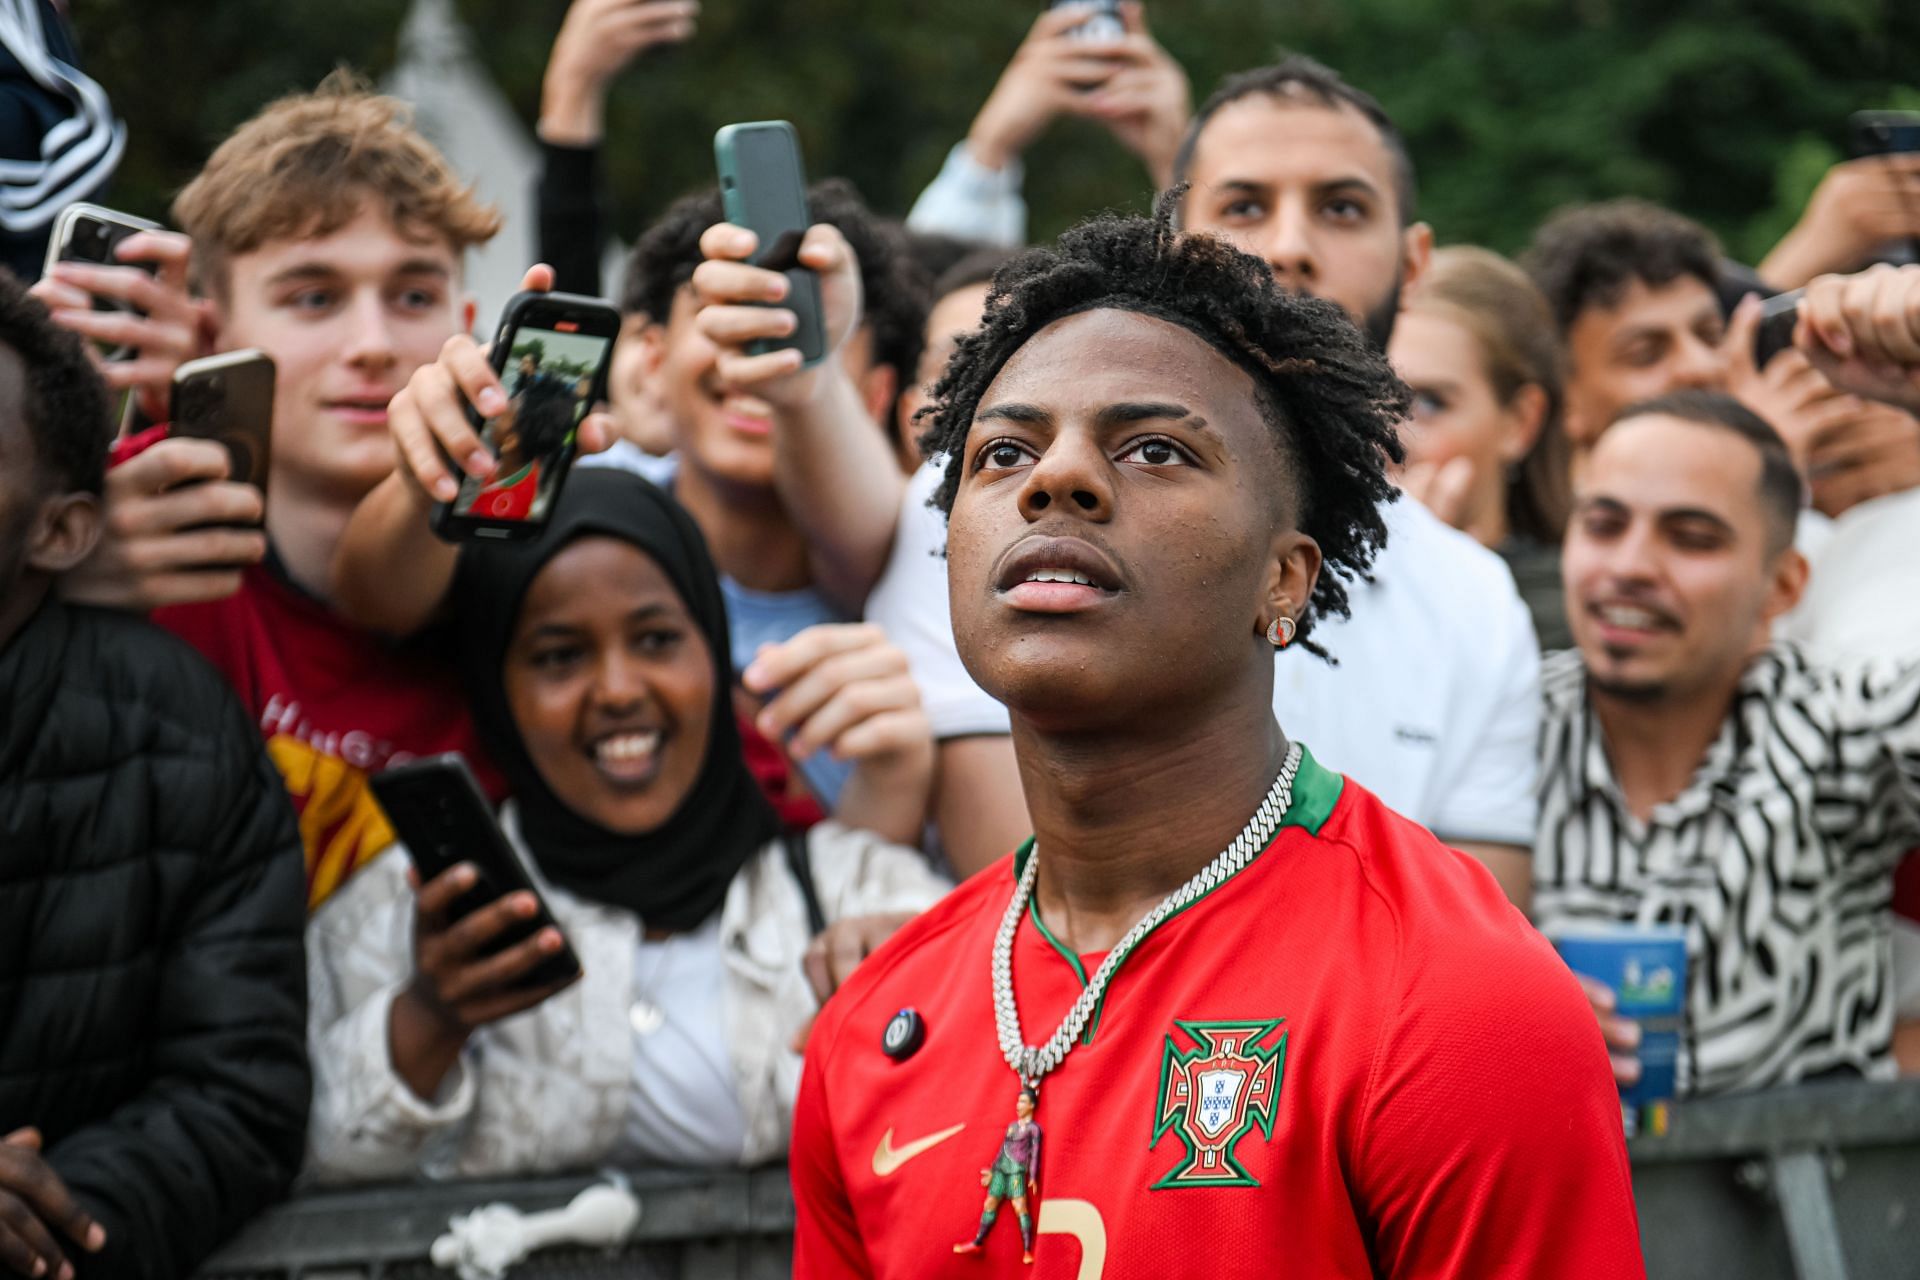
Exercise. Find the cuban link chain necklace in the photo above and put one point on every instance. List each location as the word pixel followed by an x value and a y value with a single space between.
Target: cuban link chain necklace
pixel 1033 1062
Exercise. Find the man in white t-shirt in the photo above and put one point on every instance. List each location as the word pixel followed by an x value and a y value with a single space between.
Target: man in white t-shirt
pixel 1433 703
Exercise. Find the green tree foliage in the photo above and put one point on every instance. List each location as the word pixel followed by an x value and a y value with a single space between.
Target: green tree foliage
pixel 1726 109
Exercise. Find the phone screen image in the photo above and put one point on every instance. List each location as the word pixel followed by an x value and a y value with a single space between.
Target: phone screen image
pixel 549 381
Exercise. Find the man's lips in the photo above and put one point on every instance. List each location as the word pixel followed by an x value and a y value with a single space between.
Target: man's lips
pixel 368 410
pixel 1056 575
pixel 1630 622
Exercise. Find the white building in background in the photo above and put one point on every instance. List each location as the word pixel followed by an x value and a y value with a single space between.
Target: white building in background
pixel 458 106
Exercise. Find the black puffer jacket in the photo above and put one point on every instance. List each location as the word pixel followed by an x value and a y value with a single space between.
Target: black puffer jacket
pixel 152 974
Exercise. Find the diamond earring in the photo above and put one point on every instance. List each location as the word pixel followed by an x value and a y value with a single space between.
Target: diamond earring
pixel 1280 633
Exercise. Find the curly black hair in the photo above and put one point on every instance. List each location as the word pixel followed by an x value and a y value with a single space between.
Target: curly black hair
pixel 893 286
pixel 62 400
pixel 1329 397
pixel 1587 255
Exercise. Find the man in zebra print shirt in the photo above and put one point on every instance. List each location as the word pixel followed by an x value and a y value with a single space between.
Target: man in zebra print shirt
pixel 1696 773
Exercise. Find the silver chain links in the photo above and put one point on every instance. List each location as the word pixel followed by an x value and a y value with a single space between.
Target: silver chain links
pixel 1031 1062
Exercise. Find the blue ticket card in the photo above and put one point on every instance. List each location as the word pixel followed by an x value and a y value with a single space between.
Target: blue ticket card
pixel 1646 966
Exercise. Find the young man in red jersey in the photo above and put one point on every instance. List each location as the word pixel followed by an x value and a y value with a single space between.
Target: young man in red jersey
pixel 328 233
pixel 1265 1018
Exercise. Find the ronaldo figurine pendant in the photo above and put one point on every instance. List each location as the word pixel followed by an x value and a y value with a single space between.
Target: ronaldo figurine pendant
pixel 1013 1176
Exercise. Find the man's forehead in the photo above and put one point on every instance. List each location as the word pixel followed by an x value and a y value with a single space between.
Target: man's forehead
pixel 370 245
pixel 1110 354
pixel 1268 138
pixel 1681 301
pixel 1654 462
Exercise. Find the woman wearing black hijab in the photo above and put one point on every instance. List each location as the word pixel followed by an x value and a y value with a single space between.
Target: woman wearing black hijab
pixel 596 658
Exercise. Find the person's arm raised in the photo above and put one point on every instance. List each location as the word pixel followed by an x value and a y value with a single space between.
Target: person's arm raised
pixel 391 572
pixel 597 41
pixel 1859 205
pixel 1145 102
pixel 833 464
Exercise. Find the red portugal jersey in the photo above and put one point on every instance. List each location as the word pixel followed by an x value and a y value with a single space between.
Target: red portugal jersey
pixel 336 703
pixel 1352 1059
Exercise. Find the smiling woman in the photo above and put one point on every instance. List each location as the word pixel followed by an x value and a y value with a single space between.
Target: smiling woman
pixel 1157 459
pixel 596 657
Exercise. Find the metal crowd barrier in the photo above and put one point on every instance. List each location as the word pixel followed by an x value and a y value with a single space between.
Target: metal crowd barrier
pixel 1821 1182
pixel 1818 1182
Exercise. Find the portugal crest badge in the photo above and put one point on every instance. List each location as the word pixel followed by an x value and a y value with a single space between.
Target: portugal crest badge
pixel 1214 1094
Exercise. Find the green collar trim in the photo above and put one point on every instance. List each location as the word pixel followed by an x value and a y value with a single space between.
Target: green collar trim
pixel 1316 790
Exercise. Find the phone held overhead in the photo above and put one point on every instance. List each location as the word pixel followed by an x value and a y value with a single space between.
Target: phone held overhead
pixel 763 187
pixel 551 353
pixel 1103 19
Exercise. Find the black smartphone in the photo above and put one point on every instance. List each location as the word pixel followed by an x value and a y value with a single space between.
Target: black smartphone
pixel 1880 133
pixel 229 398
pixel 763 187
pixel 1779 316
pixel 551 352
pixel 1103 19
pixel 92 234
pixel 439 812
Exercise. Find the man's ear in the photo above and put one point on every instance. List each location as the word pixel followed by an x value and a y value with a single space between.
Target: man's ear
pixel 65 531
pixel 1787 582
pixel 652 337
pixel 1292 571
pixel 1416 256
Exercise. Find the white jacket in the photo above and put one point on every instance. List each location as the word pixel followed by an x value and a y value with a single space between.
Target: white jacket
pixel 546 1090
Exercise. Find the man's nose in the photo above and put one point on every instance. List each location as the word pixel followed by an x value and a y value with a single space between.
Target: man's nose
pixel 370 338
pixel 1289 248
pixel 1073 475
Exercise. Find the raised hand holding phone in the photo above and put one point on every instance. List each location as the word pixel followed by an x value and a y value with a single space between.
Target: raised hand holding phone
pixel 122 282
pixel 743 306
pixel 431 425
pixel 550 357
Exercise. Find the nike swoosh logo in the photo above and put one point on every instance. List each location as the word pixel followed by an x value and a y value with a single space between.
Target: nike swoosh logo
pixel 887 1158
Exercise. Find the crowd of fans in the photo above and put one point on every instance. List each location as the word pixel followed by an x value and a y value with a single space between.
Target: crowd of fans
pixel 738 727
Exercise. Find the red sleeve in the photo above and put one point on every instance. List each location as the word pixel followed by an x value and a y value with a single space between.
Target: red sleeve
pixel 1492 1142
pixel 826 1239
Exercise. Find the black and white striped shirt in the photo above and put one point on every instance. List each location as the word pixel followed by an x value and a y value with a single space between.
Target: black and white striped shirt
pixel 1777 859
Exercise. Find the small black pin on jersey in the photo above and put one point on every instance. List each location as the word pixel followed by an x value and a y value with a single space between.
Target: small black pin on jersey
pixel 906 1032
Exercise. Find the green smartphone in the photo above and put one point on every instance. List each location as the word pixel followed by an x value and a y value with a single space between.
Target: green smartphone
pixel 763 187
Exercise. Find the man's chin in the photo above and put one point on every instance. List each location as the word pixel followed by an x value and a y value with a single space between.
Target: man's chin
pixel 1625 686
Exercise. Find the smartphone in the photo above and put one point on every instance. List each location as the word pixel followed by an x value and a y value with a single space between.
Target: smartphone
pixel 229 398
pixel 1779 316
pixel 439 812
pixel 1879 133
pixel 763 187
pixel 551 352
pixel 1103 19
pixel 88 233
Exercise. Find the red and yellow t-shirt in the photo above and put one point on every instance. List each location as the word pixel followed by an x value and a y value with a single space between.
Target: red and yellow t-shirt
pixel 336 704
pixel 1354 1058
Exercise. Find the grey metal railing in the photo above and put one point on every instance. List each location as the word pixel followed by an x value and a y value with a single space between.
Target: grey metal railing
pixel 1820 1182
